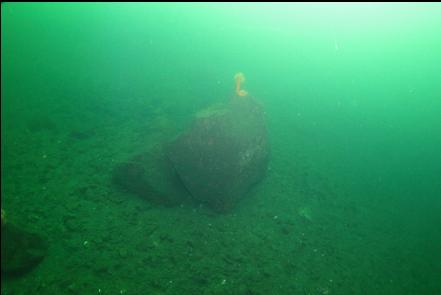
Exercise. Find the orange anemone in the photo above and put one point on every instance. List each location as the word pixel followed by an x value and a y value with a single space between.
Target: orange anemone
pixel 240 78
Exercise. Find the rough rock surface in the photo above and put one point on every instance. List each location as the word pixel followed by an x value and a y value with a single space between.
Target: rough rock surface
pixel 223 154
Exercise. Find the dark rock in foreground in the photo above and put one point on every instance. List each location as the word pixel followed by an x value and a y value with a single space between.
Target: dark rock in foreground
pixel 21 250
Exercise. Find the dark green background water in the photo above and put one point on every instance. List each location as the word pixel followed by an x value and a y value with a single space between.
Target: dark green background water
pixel 352 199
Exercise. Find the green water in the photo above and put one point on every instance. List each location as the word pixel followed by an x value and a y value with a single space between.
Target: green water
pixel 352 199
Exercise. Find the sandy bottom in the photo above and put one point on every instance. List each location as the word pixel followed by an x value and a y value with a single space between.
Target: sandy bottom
pixel 296 233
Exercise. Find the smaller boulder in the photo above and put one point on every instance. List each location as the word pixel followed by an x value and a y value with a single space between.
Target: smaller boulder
pixel 151 176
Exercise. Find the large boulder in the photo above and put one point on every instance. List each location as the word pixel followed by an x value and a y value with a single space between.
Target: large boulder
pixel 224 152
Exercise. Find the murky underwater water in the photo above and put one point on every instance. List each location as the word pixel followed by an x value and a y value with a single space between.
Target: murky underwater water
pixel 350 203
